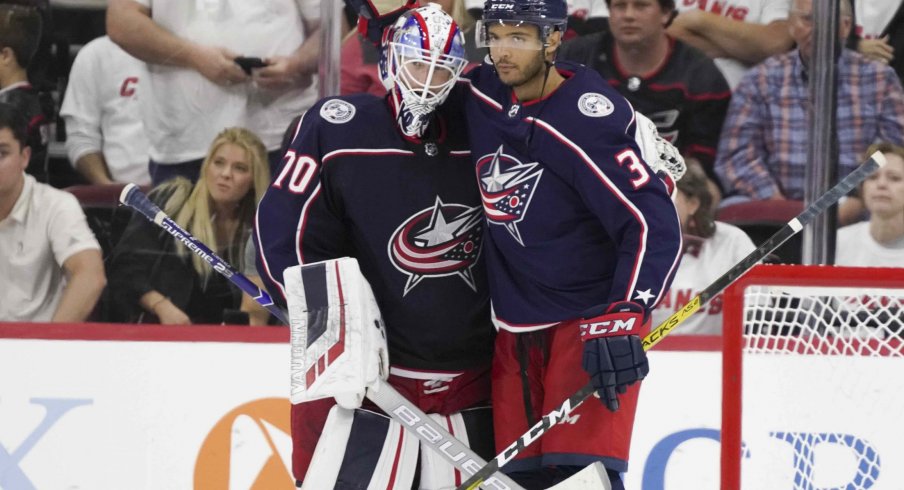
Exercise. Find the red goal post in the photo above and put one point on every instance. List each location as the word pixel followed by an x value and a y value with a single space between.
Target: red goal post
pixel 810 398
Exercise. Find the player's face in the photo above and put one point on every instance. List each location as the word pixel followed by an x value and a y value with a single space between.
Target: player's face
pixel 515 54
pixel 636 22
pixel 229 175
pixel 13 161
pixel 418 74
pixel 883 191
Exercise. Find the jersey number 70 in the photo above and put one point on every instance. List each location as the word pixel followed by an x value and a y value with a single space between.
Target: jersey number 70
pixel 303 169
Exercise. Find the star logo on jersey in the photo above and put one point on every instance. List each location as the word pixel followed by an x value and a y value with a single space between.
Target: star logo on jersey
pixel 506 188
pixel 645 295
pixel 442 240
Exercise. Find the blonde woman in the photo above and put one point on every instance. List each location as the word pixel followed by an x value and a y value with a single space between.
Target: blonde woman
pixel 878 242
pixel 155 277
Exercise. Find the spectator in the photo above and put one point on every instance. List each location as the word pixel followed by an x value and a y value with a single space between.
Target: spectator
pixel 878 242
pixel 151 274
pixel 736 33
pixel 711 248
pixel 879 31
pixel 673 84
pixel 50 262
pixel 20 33
pixel 763 148
pixel 195 88
pixel 104 135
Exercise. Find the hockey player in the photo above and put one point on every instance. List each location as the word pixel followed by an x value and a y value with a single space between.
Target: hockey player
pixel 582 242
pixel 389 182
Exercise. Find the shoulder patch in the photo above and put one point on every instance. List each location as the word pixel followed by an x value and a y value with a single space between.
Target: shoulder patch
pixel 337 111
pixel 595 105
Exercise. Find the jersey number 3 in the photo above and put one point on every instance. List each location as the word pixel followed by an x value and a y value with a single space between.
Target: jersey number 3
pixel 303 169
pixel 635 166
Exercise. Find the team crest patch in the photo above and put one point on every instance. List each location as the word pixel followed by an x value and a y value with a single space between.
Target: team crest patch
pixel 595 105
pixel 506 189
pixel 439 241
pixel 337 111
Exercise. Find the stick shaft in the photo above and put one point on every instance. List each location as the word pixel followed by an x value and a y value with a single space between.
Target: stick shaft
pixel 133 197
pixel 791 228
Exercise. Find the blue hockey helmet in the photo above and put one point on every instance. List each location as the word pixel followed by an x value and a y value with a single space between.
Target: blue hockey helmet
pixel 548 15
pixel 422 56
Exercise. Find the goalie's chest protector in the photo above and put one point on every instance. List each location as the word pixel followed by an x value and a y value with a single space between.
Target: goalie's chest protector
pixel 409 211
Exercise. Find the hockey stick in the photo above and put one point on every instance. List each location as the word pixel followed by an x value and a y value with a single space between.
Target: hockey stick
pixel 383 395
pixel 830 197
pixel 132 196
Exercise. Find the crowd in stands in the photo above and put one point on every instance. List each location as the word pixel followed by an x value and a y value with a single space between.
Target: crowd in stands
pixel 149 102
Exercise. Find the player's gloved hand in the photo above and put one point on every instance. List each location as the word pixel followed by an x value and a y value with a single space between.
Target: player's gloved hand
pixel 372 22
pixel 613 353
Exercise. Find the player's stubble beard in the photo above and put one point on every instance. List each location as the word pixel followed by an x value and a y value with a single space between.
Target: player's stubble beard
pixel 532 71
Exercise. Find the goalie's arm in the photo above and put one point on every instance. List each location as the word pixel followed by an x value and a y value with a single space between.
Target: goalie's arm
pixel 296 222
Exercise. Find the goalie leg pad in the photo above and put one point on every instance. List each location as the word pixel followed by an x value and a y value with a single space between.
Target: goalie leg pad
pixel 474 427
pixel 362 449
pixel 337 337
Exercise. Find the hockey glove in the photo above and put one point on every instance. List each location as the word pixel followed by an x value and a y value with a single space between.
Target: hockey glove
pixel 372 22
pixel 613 353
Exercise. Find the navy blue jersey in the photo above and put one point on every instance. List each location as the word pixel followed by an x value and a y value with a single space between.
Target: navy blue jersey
pixel 407 210
pixel 687 97
pixel 576 219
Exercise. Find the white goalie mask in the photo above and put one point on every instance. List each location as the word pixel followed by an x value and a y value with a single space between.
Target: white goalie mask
pixel 421 59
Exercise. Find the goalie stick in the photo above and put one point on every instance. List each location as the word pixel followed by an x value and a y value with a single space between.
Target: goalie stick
pixel 383 395
pixel 830 197
pixel 132 196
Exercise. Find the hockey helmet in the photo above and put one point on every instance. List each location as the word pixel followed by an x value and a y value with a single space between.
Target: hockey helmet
pixel 422 56
pixel 547 15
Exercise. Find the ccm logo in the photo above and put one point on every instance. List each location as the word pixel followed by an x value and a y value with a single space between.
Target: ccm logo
pixel 610 327
pixel 503 6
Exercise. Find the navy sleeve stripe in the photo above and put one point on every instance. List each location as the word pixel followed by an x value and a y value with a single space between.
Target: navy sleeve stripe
pixel 672 270
pixel 638 215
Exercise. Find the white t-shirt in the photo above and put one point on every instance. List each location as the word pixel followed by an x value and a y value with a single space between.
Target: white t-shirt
pixel 45 227
pixel 716 255
pixel 183 111
pixel 102 110
pixel 854 246
pixel 755 11
pixel 873 16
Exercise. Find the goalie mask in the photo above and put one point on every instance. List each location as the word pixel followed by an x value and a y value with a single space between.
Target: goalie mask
pixel 422 57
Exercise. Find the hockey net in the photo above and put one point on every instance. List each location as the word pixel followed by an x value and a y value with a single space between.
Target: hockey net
pixel 813 381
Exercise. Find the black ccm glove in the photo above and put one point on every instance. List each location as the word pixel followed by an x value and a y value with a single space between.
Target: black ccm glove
pixel 613 353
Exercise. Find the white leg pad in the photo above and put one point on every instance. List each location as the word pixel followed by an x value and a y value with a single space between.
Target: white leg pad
pixel 593 477
pixel 436 472
pixel 398 460
pixel 330 450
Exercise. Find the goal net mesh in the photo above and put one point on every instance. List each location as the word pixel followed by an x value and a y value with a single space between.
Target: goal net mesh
pixel 823 387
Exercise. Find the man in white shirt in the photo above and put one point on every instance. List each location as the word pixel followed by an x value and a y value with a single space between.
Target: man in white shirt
pixel 50 263
pixel 105 137
pixel 736 33
pixel 195 88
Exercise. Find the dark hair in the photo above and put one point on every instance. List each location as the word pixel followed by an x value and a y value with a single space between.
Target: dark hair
pixel 13 120
pixel 20 30
pixel 694 184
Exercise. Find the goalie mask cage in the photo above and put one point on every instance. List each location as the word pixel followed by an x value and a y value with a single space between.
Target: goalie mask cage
pixel 813 379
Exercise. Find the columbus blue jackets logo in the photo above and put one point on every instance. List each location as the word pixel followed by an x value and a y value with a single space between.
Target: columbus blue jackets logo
pixel 337 111
pixel 506 188
pixel 439 241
